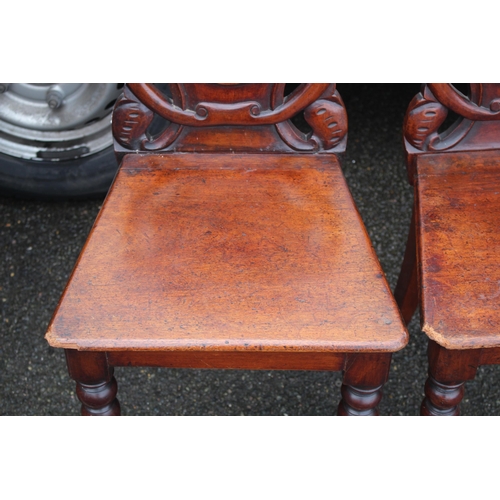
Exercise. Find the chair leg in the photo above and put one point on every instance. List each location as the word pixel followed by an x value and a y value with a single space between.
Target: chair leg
pixel 406 291
pixel 364 377
pixel 96 387
pixel 448 372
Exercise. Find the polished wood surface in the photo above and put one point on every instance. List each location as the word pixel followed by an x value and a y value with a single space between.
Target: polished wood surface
pixel 210 252
pixel 459 246
pixel 451 262
pixel 231 360
pixel 96 386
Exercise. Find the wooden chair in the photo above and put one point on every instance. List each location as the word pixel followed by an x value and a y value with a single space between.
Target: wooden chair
pixel 451 266
pixel 229 239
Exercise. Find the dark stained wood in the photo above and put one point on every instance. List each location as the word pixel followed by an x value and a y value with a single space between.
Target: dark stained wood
pixel 448 370
pixel 406 291
pixel 456 243
pixel 256 360
pixel 490 356
pixel 441 400
pixel 363 378
pixel 230 241
pixel 96 387
pixel 452 366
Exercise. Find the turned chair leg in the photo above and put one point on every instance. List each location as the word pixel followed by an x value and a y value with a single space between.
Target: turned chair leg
pixel 442 399
pixel 406 291
pixel 364 377
pixel 96 387
pixel 448 372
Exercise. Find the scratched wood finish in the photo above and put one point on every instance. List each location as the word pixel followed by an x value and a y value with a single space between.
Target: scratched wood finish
pixel 228 253
pixel 459 245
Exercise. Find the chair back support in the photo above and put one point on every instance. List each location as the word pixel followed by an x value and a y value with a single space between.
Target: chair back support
pixel 240 118
pixel 477 126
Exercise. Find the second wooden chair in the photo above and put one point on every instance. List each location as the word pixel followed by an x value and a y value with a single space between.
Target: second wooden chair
pixel 451 266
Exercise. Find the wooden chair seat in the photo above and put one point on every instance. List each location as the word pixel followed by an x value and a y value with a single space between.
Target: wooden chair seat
pixel 269 255
pixel 459 243
pixel 230 241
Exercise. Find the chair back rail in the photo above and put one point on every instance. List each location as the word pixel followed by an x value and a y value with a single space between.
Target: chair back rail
pixel 477 126
pixel 240 118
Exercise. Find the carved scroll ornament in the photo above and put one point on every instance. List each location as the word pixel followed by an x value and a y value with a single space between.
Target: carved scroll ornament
pixel 327 118
pixel 446 94
pixel 428 110
pixel 321 104
pixel 131 120
pixel 423 118
pixel 243 113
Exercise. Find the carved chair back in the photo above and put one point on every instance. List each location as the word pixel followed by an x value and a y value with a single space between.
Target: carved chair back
pixel 240 118
pixel 477 126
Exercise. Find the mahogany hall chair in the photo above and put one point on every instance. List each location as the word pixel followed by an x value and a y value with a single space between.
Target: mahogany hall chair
pixel 451 265
pixel 230 240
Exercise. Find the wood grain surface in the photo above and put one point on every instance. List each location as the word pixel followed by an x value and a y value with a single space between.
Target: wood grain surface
pixel 228 253
pixel 458 197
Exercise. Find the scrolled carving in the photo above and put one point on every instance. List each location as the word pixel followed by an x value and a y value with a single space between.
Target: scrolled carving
pixel 495 105
pixel 328 119
pixel 131 120
pixel 446 94
pixel 422 120
pixel 477 126
pixel 242 113
pixel 235 117
pixel 290 135
pixel 222 114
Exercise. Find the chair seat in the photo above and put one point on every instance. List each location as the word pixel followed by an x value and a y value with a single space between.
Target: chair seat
pixel 228 253
pixel 458 199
